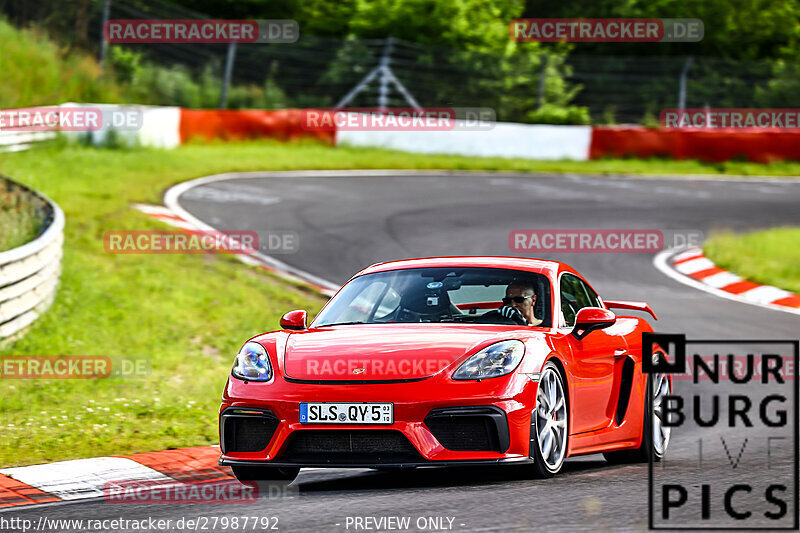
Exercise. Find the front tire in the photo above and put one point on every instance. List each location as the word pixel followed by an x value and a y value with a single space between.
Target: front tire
pixel 549 424
pixel 265 473
pixel 657 441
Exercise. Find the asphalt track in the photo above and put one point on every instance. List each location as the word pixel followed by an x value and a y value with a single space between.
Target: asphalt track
pixel 345 223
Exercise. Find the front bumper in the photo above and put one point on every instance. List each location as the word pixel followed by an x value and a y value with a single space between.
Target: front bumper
pixel 423 464
pixel 422 410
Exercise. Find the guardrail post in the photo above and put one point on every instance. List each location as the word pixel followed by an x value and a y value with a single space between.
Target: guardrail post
pixel 226 81
pixel 542 78
pixel 385 78
pixel 682 84
pixel 103 42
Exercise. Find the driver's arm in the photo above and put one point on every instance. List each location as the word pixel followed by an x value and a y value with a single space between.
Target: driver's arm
pixel 512 313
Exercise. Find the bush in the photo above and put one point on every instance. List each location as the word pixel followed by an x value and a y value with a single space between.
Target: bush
pixel 552 114
pixel 148 83
pixel 37 72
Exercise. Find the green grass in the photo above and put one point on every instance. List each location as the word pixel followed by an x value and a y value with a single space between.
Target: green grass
pixel 187 314
pixel 36 72
pixel 18 218
pixel 771 256
pixel 639 167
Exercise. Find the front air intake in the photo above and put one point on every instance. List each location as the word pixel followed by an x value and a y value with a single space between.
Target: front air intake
pixel 470 429
pixel 323 446
pixel 246 430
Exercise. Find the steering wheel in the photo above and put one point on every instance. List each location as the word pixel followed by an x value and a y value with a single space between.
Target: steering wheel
pixel 494 317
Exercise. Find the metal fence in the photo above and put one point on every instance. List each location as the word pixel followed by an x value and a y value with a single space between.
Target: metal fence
pixel 636 89
pixel 320 72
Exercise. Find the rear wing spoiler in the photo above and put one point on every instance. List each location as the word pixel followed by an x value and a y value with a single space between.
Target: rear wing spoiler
pixel 636 306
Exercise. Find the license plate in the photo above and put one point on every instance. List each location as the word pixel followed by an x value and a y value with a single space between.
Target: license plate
pixel 346 413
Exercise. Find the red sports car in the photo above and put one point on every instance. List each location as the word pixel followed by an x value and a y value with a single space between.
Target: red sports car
pixel 446 361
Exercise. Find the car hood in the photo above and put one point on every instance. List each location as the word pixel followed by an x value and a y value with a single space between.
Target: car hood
pixel 391 351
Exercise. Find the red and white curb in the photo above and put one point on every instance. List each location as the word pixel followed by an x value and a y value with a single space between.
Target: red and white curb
pixel 86 478
pixel 691 267
pixel 165 215
pixel 193 225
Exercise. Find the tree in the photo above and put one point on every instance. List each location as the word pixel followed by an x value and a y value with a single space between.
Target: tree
pixel 735 29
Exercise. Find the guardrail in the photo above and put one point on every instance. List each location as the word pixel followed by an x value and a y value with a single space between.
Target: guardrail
pixel 29 273
pixel 16 141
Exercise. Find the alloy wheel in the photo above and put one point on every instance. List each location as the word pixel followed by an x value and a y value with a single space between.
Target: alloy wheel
pixel 551 419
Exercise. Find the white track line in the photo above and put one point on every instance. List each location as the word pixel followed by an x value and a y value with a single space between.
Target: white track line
pixel 694 252
pixel 85 478
pixel 659 261
pixel 171 201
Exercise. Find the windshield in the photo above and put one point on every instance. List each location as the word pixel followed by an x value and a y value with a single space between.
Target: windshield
pixel 433 295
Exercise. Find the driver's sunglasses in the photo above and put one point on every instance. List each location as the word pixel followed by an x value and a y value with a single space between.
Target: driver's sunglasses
pixel 518 299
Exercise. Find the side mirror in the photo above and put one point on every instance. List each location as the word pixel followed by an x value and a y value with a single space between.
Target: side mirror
pixel 294 320
pixel 589 319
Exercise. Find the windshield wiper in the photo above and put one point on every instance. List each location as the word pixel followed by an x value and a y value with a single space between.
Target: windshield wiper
pixel 344 324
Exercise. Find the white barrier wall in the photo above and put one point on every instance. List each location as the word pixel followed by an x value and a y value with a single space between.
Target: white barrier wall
pixel 29 274
pixel 526 141
pixel 17 141
pixel 159 128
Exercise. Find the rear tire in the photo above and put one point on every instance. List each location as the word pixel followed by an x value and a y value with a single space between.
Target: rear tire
pixel 265 473
pixel 549 424
pixel 658 445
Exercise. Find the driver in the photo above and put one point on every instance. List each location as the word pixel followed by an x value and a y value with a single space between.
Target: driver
pixel 519 303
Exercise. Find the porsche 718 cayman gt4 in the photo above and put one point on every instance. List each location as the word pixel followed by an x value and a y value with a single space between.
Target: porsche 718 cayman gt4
pixel 446 361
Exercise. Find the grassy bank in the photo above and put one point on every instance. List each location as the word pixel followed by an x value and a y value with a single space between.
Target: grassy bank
pixel 771 257
pixel 187 315
pixel 36 71
pixel 18 221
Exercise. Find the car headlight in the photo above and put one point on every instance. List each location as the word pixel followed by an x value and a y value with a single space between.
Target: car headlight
pixel 252 363
pixel 493 361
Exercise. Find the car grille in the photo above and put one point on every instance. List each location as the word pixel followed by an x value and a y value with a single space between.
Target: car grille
pixel 469 429
pixel 320 446
pixel 247 430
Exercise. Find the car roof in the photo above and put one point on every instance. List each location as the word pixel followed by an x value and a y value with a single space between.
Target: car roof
pixel 540 266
